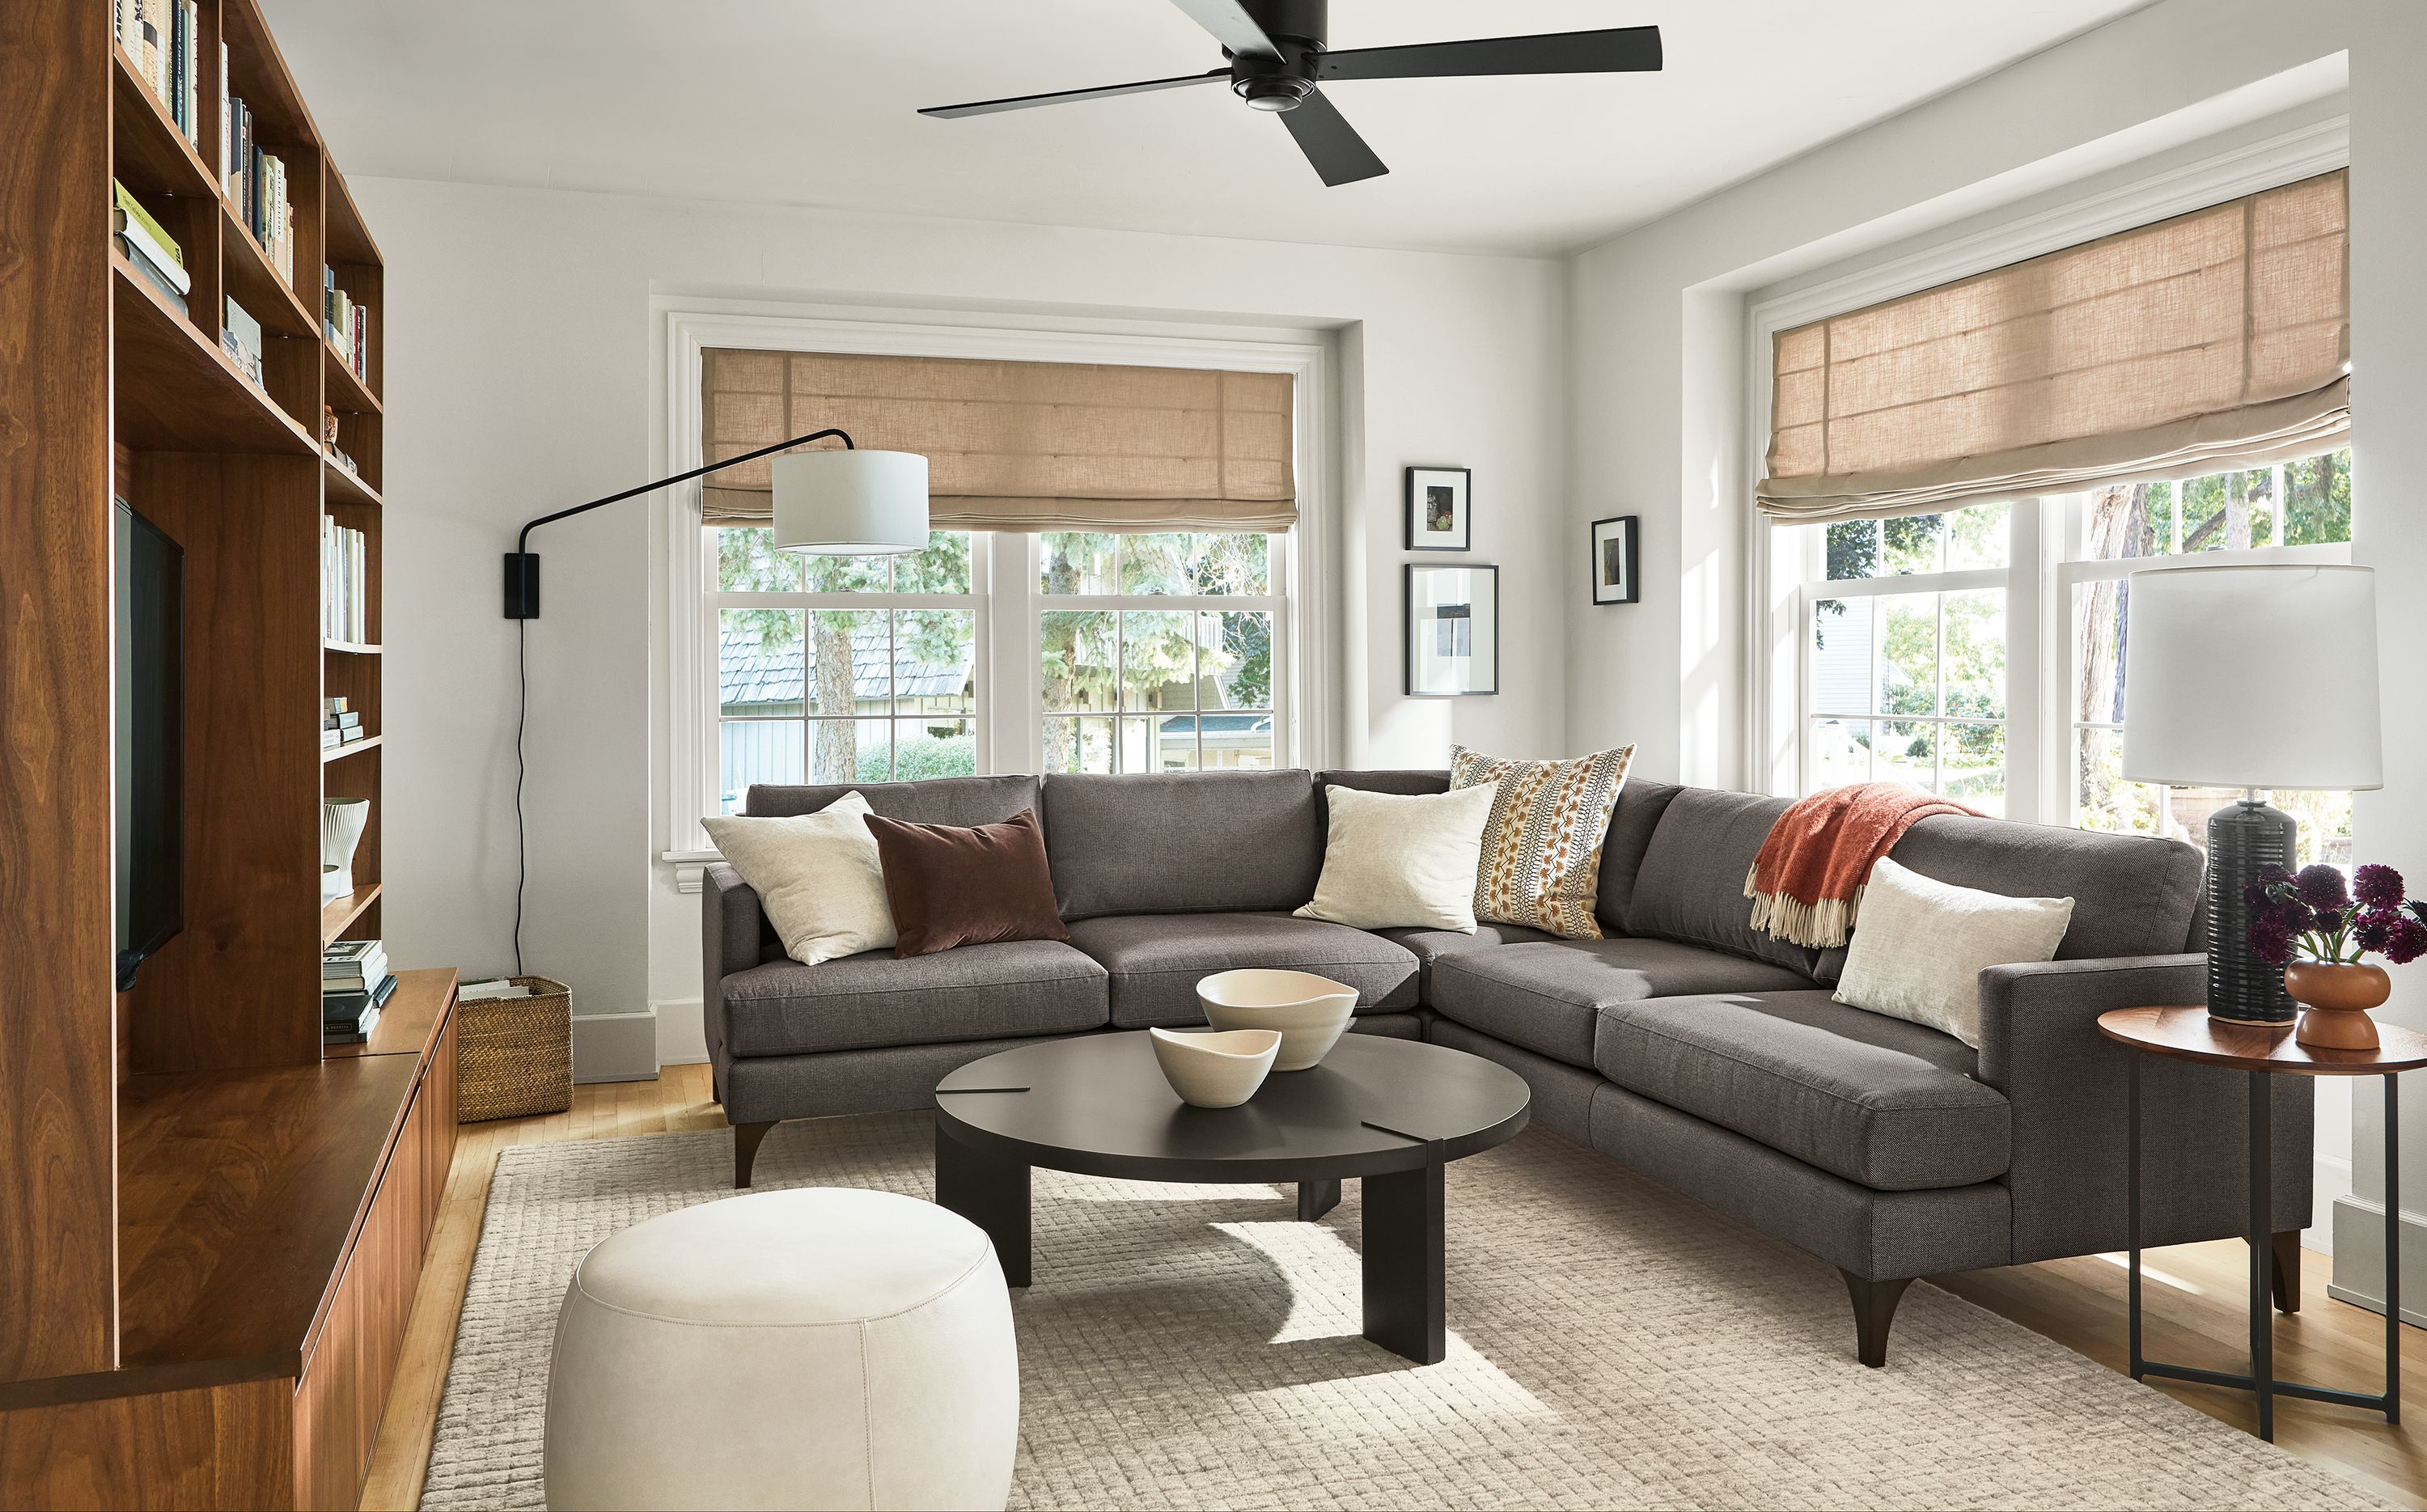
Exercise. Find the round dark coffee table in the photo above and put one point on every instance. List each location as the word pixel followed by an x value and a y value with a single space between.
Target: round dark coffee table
pixel 1390 1112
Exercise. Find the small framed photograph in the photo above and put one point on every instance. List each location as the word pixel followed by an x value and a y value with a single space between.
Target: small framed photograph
pixel 1453 631
pixel 1613 560
pixel 1437 506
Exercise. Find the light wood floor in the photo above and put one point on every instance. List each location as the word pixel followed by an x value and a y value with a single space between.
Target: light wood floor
pixel 2193 1312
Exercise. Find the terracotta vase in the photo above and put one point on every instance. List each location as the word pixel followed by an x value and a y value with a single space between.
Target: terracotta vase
pixel 2335 998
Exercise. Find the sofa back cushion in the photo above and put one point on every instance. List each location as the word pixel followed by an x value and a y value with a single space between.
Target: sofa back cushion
pixel 1195 842
pixel 2133 894
pixel 1690 885
pixel 1641 804
pixel 963 801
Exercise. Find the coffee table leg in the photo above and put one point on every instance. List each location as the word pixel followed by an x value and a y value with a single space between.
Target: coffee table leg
pixel 990 1192
pixel 1404 1261
pixel 1315 1199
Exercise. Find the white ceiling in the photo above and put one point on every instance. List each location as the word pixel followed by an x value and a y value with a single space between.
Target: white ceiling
pixel 812 102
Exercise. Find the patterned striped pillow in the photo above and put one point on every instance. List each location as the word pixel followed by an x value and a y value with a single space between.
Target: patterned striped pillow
pixel 1542 851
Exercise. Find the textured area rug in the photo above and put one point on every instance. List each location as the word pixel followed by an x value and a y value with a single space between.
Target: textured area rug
pixel 1611 1344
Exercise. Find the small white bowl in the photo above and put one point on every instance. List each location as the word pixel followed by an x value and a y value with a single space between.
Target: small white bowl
pixel 1311 1012
pixel 1215 1071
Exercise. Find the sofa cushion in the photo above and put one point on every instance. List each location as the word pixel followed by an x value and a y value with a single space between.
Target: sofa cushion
pixel 1183 842
pixel 1545 996
pixel 1017 988
pixel 1430 944
pixel 935 801
pixel 1879 1101
pixel 1690 885
pixel 1641 804
pixel 1157 960
pixel 2132 894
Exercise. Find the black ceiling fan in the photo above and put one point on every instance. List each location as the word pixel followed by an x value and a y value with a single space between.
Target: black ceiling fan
pixel 1277 57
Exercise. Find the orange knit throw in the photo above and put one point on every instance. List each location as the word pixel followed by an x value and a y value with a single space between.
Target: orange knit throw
pixel 1807 883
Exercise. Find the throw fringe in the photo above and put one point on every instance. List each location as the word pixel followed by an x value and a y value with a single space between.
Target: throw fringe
pixel 1823 925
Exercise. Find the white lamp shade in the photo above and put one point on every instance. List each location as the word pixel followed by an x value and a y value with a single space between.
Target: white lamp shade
pixel 851 503
pixel 2251 677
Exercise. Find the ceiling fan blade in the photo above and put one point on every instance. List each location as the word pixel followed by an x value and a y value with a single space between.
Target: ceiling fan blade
pixel 1622 50
pixel 1023 102
pixel 1330 143
pixel 1232 27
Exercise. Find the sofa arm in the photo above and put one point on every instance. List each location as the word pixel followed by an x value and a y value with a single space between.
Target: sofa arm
pixel 730 920
pixel 2040 1046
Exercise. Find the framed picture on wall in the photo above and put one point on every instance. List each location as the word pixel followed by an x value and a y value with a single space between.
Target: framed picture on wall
pixel 1613 560
pixel 1453 631
pixel 1437 506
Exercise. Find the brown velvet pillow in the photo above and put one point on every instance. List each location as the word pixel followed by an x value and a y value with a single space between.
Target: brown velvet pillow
pixel 951 884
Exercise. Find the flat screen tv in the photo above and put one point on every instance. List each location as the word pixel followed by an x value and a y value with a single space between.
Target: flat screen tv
pixel 150 638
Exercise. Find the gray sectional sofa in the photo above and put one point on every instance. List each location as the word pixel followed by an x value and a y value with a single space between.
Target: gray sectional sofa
pixel 1684 1045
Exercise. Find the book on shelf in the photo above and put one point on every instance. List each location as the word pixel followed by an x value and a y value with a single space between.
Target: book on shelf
pixel 164 38
pixel 491 990
pixel 353 1030
pixel 255 182
pixel 240 334
pixel 347 325
pixel 345 576
pixel 350 972
pixel 349 1005
pixel 135 222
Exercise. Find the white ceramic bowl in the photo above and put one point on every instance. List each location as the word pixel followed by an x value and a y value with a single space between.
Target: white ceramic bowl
pixel 1310 1011
pixel 1220 1069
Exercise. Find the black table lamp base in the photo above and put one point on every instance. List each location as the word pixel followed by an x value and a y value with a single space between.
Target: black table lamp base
pixel 2242 841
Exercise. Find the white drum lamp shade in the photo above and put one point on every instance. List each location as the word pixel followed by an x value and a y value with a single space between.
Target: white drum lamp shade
pixel 851 503
pixel 2251 677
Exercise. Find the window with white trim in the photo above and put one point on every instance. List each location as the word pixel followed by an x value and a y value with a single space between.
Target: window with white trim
pixel 1978 653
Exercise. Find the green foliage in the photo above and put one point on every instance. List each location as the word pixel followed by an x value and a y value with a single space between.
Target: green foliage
pixel 915 759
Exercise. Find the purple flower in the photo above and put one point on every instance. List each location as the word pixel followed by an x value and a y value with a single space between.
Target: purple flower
pixel 2322 886
pixel 2269 942
pixel 2274 874
pixel 2292 917
pixel 2255 896
pixel 2326 921
pixel 2379 886
pixel 2374 930
pixel 2409 942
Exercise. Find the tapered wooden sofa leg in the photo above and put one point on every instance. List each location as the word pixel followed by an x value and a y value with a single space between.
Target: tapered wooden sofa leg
pixel 1875 1305
pixel 2285 1273
pixel 746 1140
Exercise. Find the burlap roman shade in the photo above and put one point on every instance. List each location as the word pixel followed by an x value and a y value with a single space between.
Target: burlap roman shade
pixel 1013 445
pixel 2218 338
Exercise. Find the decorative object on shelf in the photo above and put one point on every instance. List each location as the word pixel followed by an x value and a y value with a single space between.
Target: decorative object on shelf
pixel 1614 579
pixel 514 1054
pixel 1311 1012
pixel 341 830
pixel 2319 927
pixel 1218 1068
pixel 2209 649
pixel 1436 509
pixel 1453 631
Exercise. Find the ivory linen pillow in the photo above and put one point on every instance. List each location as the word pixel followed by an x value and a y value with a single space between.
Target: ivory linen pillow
pixel 818 877
pixel 1542 850
pixel 1394 860
pixel 1920 945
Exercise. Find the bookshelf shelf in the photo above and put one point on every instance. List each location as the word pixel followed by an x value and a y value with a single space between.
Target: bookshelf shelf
pixel 149 153
pixel 347 393
pixel 177 391
pixel 256 285
pixel 350 648
pixel 345 487
pixel 338 913
pixel 340 752
pixel 422 1000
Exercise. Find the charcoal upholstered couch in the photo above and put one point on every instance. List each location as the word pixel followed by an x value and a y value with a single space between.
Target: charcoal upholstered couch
pixel 1684 1045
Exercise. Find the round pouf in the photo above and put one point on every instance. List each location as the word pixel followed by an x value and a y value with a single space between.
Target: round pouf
pixel 819 1348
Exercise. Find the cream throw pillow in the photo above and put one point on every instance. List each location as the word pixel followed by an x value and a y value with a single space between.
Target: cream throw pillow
pixel 1922 944
pixel 1396 860
pixel 817 875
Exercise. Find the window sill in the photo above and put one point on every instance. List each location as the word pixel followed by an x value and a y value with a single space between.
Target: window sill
pixel 689 865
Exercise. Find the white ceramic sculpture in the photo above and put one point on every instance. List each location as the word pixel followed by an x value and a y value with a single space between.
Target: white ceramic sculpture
pixel 341 830
pixel 1216 1069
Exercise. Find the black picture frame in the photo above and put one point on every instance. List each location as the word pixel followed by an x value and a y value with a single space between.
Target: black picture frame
pixel 1481 626
pixel 1617 545
pixel 1430 491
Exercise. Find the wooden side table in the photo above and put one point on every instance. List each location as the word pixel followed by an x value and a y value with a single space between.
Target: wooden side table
pixel 2188 1033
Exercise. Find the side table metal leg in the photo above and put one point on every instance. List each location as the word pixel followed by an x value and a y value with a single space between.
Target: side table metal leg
pixel 2393 1249
pixel 2262 1190
pixel 2132 1205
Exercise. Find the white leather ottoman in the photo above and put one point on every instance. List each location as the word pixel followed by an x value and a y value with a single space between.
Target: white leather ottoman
pixel 819 1348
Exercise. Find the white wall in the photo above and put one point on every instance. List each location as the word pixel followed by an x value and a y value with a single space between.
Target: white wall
pixel 1660 423
pixel 519 381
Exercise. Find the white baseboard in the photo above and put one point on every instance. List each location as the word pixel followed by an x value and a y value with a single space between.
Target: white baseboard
pixel 615 1047
pixel 2359 1259
pixel 682 1039
pixel 2330 1181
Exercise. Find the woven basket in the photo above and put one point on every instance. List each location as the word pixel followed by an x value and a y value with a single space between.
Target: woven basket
pixel 514 1056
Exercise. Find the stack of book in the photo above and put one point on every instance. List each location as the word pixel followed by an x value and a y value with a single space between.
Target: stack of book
pixel 164 38
pixel 355 983
pixel 153 251
pixel 345 576
pixel 240 337
pixel 255 182
pixel 348 325
pixel 340 724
